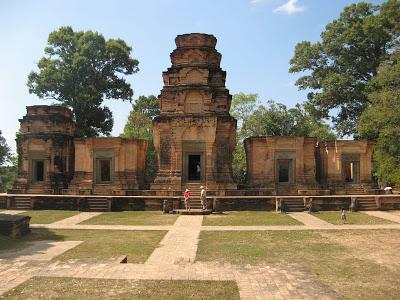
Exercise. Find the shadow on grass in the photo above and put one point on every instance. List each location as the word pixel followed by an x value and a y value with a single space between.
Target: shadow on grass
pixel 7 243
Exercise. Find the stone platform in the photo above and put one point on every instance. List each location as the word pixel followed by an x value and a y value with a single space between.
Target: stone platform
pixel 192 212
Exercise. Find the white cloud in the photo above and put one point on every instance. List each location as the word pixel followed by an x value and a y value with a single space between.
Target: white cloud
pixel 289 8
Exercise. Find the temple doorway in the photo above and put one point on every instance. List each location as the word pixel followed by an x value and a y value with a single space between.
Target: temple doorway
pixel 194 167
pixel 351 170
pixel 38 170
pixel 285 170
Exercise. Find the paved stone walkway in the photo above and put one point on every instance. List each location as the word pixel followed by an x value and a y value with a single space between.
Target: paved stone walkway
pixel 298 228
pixel 101 227
pixel 12 212
pixel 83 216
pixel 180 243
pixel 18 266
pixel 384 215
pixel 309 220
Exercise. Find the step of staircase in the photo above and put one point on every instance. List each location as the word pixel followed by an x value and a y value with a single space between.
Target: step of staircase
pixel 366 204
pixel 22 203
pixel 294 205
pixel 97 204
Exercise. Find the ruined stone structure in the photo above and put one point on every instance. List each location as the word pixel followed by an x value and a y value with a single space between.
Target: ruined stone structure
pixel 50 157
pixel 45 150
pixel 284 165
pixel 346 166
pixel 108 166
pixel 194 135
pixel 301 166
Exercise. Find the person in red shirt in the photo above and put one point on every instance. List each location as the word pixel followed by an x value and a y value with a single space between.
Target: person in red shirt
pixel 186 196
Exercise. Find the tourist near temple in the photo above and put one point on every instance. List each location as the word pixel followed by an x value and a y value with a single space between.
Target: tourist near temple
pixel 194 137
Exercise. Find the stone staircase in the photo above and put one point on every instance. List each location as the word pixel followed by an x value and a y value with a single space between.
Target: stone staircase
pixel 355 189
pixel 97 204
pixel 195 202
pixel 21 203
pixel 366 203
pixel 293 204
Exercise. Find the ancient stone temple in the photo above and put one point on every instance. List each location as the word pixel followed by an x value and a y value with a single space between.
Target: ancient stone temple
pixel 283 165
pixel 194 135
pixel 108 166
pixel 45 150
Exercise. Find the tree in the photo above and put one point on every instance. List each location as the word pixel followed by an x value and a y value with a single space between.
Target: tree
pixel 242 107
pixel 139 125
pixel 275 119
pixel 80 70
pixel 381 121
pixel 8 165
pixel 5 153
pixel 338 68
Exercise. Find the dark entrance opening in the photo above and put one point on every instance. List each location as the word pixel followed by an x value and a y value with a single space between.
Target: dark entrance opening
pixel 194 167
pixel 39 170
pixel 284 167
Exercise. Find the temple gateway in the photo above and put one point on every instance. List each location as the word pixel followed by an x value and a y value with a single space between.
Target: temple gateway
pixel 194 137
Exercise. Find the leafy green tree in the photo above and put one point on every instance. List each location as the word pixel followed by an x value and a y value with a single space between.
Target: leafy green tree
pixel 338 68
pixel 8 173
pixel 81 69
pixel 242 107
pixel 275 119
pixel 139 125
pixel 5 153
pixel 381 121
pixel 8 165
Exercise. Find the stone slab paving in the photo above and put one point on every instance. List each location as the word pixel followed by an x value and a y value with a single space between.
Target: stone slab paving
pixel 309 220
pixel 101 227
pixel 83 216
pixel 254 282
pixel 12 212
pixel 18 266
pixel 299 228
pixel 180 243
pixel 40 250
pixel 384 215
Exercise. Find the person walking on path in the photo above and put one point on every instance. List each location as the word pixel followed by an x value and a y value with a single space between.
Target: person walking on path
pixel 344 217
pixel 186 196
pixel 203 197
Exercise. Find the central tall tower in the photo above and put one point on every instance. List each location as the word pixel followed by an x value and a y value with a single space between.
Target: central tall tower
pixel 194 135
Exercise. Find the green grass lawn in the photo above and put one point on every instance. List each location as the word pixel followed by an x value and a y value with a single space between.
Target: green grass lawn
pixel 132 218
pixel 48 216
pixel 249 218
pixel 82 288
pixel 356 218
pixel 356 264
pixel 98 244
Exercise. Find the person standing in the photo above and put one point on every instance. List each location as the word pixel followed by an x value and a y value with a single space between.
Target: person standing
pixel 203 197
pixel 186 196
pixel 344 216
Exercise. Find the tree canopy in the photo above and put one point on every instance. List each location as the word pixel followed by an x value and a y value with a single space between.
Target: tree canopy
pixel 139 125
pixel 8 165
pixel 80 70
pixel 336 70
pixel 381 121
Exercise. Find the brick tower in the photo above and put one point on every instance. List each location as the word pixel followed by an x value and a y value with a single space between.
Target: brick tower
pixel 194 135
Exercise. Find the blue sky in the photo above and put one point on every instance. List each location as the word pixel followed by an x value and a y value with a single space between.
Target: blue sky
pixel 255 37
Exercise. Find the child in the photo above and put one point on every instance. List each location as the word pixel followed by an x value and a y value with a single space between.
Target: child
pixel 343 216
pixel 186 196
